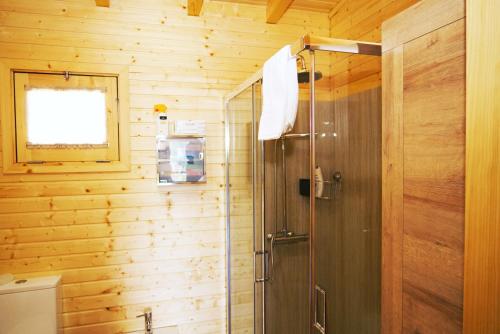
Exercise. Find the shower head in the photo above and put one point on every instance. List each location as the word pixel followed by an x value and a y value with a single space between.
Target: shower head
pixel 303 74
pixel 302 62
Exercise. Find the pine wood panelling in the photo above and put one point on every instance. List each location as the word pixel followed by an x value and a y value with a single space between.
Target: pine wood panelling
pixel 425 16
pixel 423 240
pixel 121 243
pixel 482 220
pixel 315 5
pixel 359 20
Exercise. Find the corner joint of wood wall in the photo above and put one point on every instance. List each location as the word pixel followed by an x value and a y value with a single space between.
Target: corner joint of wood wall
pixel 194 7
pixel 276 9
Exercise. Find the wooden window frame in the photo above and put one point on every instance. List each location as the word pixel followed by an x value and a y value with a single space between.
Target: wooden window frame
pixel 106 84
pixel 11 165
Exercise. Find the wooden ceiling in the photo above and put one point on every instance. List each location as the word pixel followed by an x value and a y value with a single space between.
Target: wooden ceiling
pixel 102 3
pixel 275 8
pixel 313 5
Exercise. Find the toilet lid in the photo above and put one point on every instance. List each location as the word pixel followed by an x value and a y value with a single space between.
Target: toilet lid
pixel 30 284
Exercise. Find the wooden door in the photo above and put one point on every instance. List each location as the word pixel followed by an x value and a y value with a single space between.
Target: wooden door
pixel 423 168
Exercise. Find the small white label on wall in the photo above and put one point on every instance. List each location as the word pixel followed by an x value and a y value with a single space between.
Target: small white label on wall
pixel 162 125
pixel 189 128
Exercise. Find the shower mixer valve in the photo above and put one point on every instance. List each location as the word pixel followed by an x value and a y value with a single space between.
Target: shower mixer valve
pixel 280 234
pixel 337 179
pixel 148 320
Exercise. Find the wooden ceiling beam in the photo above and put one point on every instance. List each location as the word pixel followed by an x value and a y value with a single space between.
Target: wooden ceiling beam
pixel 194 7
pixel 276 9
pixel 102 3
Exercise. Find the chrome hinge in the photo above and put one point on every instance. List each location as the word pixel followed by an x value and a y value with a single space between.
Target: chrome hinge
pixel 32 162
pixel 320 321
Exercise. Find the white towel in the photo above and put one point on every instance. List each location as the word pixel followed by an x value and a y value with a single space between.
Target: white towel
pixel 280 95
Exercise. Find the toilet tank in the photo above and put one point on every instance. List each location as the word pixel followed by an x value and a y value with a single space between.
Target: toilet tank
pixel 31 306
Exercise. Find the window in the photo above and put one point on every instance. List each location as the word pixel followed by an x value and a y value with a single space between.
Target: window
pixel 47 110
pixel 62 118
pixel 65 122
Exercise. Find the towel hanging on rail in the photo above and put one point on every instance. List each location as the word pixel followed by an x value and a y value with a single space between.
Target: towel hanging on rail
pixel 280 95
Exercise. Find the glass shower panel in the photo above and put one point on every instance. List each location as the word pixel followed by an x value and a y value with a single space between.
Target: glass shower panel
pixel 261 256
pixel 240 212
pixel 286 214
pixel 348 197
pixel 268 277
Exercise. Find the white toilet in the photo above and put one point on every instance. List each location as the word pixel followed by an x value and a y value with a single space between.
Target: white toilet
pixel 31 306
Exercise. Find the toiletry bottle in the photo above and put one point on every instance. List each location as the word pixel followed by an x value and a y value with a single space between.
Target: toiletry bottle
pixel 318 179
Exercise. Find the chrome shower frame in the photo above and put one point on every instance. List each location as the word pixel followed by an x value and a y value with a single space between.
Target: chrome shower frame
pixel 312 44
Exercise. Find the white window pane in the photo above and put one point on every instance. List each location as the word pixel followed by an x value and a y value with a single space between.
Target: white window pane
pixel 66 116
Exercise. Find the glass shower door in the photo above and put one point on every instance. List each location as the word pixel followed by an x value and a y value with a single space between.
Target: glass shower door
pixel 346 289
pixel 281 266
pixel 261 256
pixel 286 227
pixel 239 182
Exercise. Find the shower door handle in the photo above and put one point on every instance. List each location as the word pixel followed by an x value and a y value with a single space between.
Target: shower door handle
pixel 320 324
pixel 265 270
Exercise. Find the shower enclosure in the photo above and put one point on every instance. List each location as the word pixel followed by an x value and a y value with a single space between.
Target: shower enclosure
pixel 304 257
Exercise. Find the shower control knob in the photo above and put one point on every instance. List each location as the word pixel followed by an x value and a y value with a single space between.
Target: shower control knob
pixel 337 186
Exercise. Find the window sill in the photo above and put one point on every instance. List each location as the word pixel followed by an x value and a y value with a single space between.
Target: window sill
pixel 66 167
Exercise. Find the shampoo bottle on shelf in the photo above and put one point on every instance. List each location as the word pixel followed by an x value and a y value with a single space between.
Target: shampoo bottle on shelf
pixel 318 179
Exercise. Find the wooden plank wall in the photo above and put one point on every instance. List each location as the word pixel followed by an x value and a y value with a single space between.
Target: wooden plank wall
pixel 423 191
pixel 482 219
pixel 119 241
pixel 359 20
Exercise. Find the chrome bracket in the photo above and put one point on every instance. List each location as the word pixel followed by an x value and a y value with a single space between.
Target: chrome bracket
pixel 320 324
